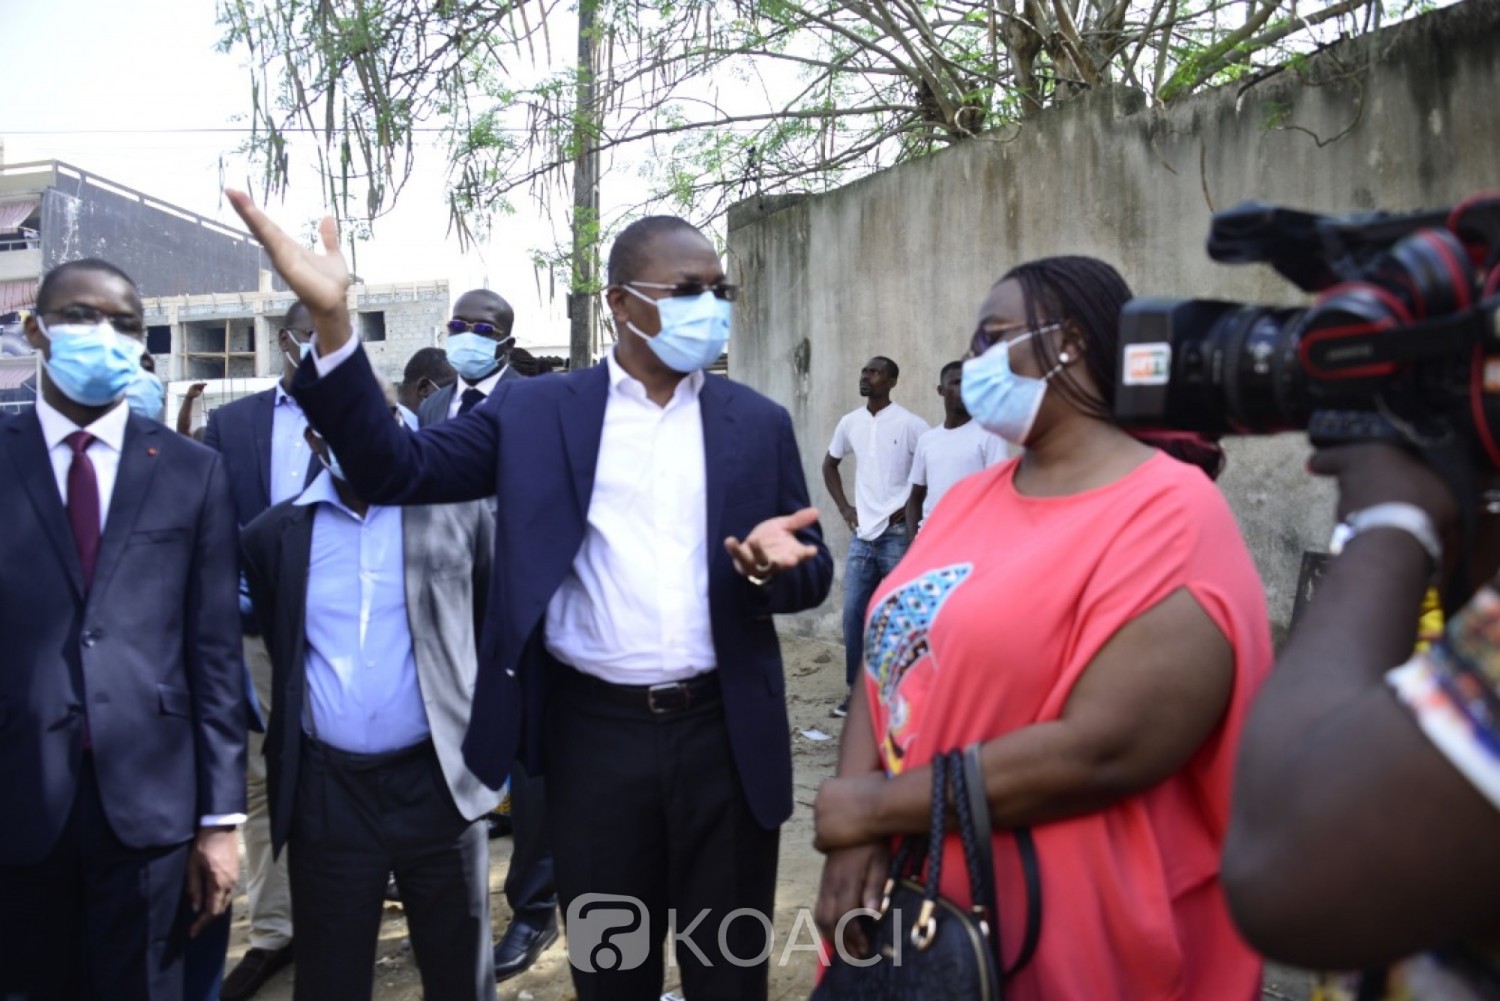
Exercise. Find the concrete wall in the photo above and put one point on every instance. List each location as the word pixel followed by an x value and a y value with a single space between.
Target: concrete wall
pixel 898 262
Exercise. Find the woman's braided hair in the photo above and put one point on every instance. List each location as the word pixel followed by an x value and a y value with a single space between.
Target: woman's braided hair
pixel 1086 294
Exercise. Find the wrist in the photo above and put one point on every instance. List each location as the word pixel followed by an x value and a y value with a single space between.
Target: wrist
pixel 1392 517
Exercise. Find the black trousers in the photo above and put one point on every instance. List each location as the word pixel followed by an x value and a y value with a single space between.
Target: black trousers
pixel 649 807
pixel 360 817
pixel 96 918
pixel 530 888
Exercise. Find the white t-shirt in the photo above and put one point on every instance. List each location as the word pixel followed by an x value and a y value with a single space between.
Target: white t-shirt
pixel 883 445
pixel 946 455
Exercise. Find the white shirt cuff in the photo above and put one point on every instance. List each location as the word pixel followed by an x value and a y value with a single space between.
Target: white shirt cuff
pixel 222 820
pixel 327 363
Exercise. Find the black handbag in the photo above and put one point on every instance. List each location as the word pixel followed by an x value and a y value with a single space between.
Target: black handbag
pixel 923 946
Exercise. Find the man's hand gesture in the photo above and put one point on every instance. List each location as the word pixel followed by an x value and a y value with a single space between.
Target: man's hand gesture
pixel 321 281
pixel 772 547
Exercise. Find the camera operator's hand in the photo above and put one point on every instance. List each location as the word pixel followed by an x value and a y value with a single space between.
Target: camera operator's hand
pixel 1377 473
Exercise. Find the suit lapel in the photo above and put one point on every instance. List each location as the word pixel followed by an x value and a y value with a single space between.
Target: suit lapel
pixel 720 445
pixel 137 465
pixel 264 425
pixel 33 470
pixel 291 595
pixel 444 397
pixel 583 426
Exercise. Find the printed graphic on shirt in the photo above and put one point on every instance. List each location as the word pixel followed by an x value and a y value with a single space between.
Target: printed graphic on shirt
pixel 898 655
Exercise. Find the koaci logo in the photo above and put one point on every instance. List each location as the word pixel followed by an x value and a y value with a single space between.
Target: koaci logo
pixel 607 933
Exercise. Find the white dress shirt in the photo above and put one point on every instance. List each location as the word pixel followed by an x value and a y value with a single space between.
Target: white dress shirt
pixel 883 445
pixel 104 453
pixel 486 386
pixel 290 454
pixel 363 693
pixel 634 608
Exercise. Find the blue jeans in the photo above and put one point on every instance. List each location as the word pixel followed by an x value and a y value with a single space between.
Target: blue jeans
pixel 866 567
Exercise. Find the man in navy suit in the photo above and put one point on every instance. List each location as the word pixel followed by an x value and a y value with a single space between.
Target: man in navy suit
pixel 267 458
pixel 481 324
pixel 122 710
pixel 625 610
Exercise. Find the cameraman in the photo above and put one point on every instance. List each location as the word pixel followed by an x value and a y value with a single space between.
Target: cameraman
pixel 1366 817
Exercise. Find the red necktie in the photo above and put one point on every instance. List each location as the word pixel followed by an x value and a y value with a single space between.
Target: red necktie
pixel 83 504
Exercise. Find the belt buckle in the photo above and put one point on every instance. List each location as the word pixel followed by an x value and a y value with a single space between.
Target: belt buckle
pixel 660 706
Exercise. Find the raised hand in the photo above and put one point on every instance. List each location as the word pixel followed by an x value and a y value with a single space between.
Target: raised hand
pixel 772 547
pixel 321 281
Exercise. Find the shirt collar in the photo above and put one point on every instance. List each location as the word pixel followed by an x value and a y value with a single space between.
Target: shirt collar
pixel 321 491
pixel 692 385
pixel 486 385
pixel 282 396
pixel 109 429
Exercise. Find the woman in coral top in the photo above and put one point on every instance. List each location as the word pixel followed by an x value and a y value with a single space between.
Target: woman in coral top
pixel 1089 613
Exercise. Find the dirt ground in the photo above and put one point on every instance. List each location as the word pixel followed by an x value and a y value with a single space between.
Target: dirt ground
pixel 814 673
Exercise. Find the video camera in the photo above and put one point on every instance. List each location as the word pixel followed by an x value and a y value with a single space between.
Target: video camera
pixel 1402 343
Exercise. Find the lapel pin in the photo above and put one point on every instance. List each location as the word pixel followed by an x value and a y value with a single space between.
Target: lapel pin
pixel 151 452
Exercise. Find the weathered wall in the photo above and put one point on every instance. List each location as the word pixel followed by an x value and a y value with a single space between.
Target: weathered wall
pixel 898 262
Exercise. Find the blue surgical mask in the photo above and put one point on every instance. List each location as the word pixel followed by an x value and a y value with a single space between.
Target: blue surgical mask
pixel 473 356
pixel 91 363
pixel 1003 402
pixel 694 330
pixel 304 348
pixel 146 395
pixel 332 465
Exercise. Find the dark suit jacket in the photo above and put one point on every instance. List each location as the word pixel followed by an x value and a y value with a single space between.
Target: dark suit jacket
pixel 534 445
pixel 434 409
pixel 447 553
pixel 154 645
pixel 241 432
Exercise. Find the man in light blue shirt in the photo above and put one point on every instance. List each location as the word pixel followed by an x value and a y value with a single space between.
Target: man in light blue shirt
pixel 369 615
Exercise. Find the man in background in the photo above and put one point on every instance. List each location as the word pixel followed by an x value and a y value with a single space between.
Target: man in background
pixel 479 340
pixel 882 437
pixel 946 454
pixel 427 371
pixel 479 335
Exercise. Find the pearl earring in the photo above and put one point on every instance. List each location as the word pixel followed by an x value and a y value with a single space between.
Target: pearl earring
pixel 1064 357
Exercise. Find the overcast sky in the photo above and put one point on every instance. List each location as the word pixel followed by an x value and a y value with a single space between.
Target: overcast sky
pixel 130 91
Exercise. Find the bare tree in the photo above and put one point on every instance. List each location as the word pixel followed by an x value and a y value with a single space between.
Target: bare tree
pixel 718 99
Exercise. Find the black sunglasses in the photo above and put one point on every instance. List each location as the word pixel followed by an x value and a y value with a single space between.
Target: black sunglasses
pixel 483 329
pixel 721 290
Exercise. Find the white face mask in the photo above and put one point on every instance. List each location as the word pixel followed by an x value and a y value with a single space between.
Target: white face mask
pixel 1003 402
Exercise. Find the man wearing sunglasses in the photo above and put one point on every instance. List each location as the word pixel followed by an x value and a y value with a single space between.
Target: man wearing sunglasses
pixel 654 519
pixel 479 342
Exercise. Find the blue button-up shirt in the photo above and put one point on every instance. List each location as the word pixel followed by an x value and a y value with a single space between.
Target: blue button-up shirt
pixel 289 452
pixel 363 692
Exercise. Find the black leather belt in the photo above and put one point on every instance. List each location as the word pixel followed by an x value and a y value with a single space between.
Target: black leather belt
pixel 657 700
pixel 355 761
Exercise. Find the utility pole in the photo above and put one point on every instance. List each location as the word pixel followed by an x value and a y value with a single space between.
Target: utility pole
pixel 581 298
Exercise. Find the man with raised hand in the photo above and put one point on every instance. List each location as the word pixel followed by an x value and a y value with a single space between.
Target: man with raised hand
pixel 654 518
